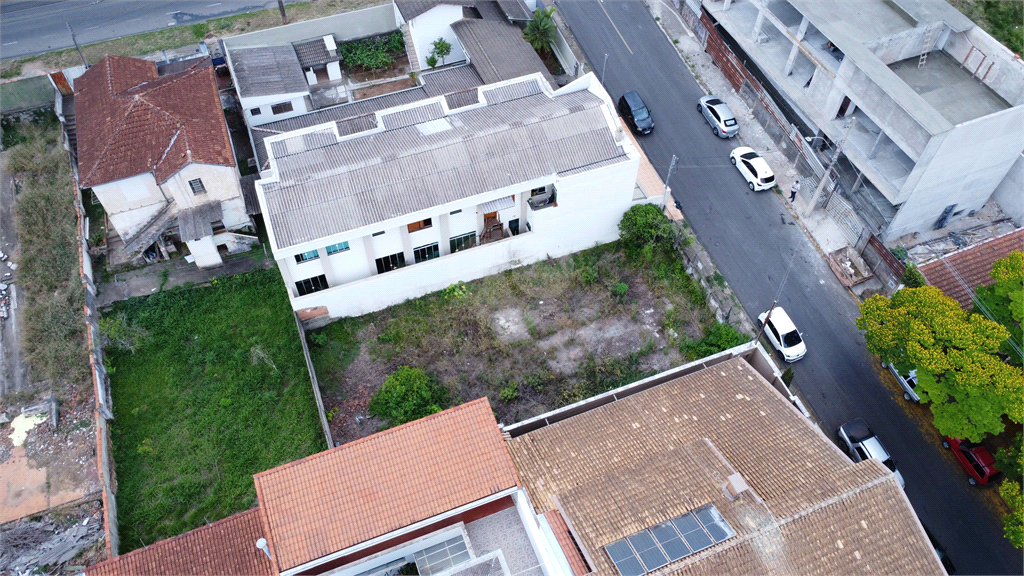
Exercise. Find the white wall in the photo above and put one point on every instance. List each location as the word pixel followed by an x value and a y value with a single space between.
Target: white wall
pixel 131 202
pixel 1009 193
pixel 345 26
pixel 205 252
pixel 220 182
pixel 266 103
pixel 432 24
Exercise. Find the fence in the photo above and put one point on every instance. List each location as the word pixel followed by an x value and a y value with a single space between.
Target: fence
pixel 27 94
pixel 315 382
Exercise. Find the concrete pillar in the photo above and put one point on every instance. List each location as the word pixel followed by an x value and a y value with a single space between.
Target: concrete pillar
pixel 445 232
pixel 325 263
pixel 524 211
pixel 371 258
pixel 792 59
pixel 726 5
pixel 406 245
pixel 878 143
pixel 286 275
pixel 757 25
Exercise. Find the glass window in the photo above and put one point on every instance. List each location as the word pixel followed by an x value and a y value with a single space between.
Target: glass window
pixel 463 242
pixel 648 551
pixel 391 262
pixel 197 186
pixel 670 541
pixel 730 122
pixel 454 212
pixel 715 114
pixel 624 558
pixel 749 167
pixel 335 248
pixel 775 332
pixel 310 285
pixel 281 108
pixel 381 233
pixel 424 253
pixel 307 256
pixel 692 532
pixel 791 339
pixel 714 523
pixel 420 225
pixel 255 112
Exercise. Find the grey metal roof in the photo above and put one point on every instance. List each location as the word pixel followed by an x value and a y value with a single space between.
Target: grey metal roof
pixel 314 53
pixel 267 71
pixel 195 223
pixel 408 117
pixel 497 50
pixel 329 189
pixel 252 202
pixel 515 10
pixel 462 99
pixel 413 8
pixel 448 80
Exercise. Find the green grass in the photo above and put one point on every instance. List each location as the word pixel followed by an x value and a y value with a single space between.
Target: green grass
pixel 216 392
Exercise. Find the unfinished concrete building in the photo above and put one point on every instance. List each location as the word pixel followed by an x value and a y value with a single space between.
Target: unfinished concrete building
pixel 925 106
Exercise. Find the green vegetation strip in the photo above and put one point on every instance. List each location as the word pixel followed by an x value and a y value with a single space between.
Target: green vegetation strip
pixel 215 391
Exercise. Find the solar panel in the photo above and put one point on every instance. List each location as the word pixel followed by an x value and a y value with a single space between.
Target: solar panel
pixel 670 541
pixel 654 547
pixel 647 549
pixel 624 558
pixel 716 525
pixel 693 533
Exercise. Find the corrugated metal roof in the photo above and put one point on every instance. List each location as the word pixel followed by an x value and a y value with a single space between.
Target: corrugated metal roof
pixel 384 175
pixel 417 115
pixel 194 223
pixel 248 185
pixel 314 53
pixel 498 204
pixel 497 50
pixel 462 99
pixel 450 80
pixel 515 10
pixel 511 92
pixel 267 71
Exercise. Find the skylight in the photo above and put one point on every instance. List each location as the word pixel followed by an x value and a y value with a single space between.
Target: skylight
pixel 654 547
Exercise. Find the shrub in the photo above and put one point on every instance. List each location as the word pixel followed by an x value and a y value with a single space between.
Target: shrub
pixel 716 338
pixel 408 394
pixel 619 290
pixel 645 230
pixel 119 333
pixel 431 60
pixel 540 31
pixel 912 277
pixel 440 48
pixel 509 392
pixel 318 338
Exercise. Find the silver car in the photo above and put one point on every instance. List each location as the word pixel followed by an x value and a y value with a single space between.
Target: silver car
pixel 907 381
pixel 719 115
pixel 860 442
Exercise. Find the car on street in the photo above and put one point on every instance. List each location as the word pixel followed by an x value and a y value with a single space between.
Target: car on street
pixel 719 116
pixel 907 380
pixel 783 335
pixel 940 551
pixel 975 459
pixel 635 113
pixel 860 442
pixel 753 168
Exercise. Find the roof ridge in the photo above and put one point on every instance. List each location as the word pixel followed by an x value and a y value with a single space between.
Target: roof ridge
pixel 381 434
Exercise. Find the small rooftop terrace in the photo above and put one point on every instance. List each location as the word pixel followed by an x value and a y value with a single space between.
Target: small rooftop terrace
pixel 949 87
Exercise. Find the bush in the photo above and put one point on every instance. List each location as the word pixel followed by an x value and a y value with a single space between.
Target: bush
pixel 645 230
pixel 716 338
pixel 912 277
pixel 440 48
pixel 408 394
pixel 509 392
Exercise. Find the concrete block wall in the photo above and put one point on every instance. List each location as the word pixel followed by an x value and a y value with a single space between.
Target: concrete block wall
pixel 1008 193
pixel 1006 76
pixel 345 26
pixel 907 44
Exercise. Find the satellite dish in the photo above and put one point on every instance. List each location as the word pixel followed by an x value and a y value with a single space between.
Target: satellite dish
pixel 262 545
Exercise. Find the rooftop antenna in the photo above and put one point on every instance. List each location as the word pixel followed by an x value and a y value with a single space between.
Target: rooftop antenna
pixel 262 545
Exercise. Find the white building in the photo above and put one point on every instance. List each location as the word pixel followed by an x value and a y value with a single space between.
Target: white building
pixel 270 82
pixel 157 154
pixel 432 196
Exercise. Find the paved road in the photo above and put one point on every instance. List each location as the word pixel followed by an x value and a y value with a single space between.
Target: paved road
pixel 753 240
pixel 29 27
pixel 13 371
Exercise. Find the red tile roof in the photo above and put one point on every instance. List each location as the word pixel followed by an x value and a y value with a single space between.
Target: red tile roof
pixel 973 264
pixel 226 547
pixel 131 121
pixel 565 541
pixel 350 494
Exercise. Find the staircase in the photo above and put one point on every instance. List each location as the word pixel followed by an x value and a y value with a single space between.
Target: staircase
pixel 410 49
pixel 150 231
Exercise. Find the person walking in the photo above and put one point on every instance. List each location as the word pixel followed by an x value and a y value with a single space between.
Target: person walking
pixel 792 193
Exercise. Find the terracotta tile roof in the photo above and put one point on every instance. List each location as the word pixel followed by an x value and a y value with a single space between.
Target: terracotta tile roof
pixel 565 542
pixel 346 495
pixel 973 264
pixel 625 466
pixel 226 547
pixel 130 121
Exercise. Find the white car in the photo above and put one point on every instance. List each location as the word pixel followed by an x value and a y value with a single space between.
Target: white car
pixel 753 168
pixel 783 335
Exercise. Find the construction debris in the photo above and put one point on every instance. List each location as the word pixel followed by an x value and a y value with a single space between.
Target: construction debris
pixel 48 545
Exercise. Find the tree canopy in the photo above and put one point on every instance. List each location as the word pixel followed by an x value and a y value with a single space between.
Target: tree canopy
pixel 1004 300
pixel 540 32
pixel 956 355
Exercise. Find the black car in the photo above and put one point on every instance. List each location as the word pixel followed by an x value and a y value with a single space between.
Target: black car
pixel 636 114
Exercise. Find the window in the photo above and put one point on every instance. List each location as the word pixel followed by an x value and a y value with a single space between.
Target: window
pixel 420 225
pixel 197 186
pixel 715 114
pixel 310 285
pixel 335 248
pixel 381 233
pixel 463 242
pixel 218 226
pixel 307 256
pixel 389 263
pixel 538 191
pixel 281 108
pixel 424 253
pixel 454 212
pixel 255 112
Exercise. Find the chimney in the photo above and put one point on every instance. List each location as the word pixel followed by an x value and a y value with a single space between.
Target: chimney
pixel 332 47
pixel 734 485
pixel 262 545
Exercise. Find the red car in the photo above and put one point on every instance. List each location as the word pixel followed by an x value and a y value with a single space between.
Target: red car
pixel 975 459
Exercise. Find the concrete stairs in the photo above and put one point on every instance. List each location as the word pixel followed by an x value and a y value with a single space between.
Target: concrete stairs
pixel 410 49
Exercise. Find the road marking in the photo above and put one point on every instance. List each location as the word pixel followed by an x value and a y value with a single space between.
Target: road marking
pixel 212 5
pixel 601 4
pixel 173 13
pixel 91 28
pixel 8 43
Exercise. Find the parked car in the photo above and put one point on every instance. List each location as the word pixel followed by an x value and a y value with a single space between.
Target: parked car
pixel 636 114
pixel 975 459
pixel 719 115
pixel 783 335
pixel 907 380
pixel 860 442
pixel 753 168
pixel 940 550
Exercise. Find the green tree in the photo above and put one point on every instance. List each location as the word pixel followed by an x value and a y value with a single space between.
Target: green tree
pixel 441 49
pixel 408 394
pixel 1004 300
pixel 1013 523
pixel 956 355
pixel 540 32
pixel 644 230
pixel 912 277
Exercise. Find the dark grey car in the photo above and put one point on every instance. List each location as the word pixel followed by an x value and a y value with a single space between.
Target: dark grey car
pixel 719 115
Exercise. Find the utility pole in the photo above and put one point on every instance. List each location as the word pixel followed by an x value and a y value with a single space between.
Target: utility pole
pixel 668 189
pixel 603 67
pixel 75 40
pixel 284 17
pixel 828 171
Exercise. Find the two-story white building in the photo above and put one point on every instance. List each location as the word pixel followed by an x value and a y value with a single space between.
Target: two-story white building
pixel 432 196
pixel 157 154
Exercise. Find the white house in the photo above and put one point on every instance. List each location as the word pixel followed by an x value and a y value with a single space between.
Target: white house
pixel 157 154
pixel 432 195
pixel 270 82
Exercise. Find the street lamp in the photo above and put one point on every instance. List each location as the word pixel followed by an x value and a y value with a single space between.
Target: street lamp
pixel 603 67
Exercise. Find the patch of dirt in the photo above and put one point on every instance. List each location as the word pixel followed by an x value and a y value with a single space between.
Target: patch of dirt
pixel 351 420
pixel 400 67
pixel 509 325
pixel 381 89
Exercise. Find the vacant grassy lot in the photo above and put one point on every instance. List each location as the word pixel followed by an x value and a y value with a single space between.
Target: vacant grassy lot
pixel 532 339
pixel 216 390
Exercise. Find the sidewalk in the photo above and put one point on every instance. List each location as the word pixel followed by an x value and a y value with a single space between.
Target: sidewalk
pixel 177 272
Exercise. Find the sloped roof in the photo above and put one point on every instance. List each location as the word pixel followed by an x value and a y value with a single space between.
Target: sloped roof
pixel 267 71
pixel 314 53
pixel 972 264
pixel 130 121
pixel 325 187
pixel 196 222
pixel 497 50
pixel 346 495
pixel 413 8
pixel 226 547
pixel 641 460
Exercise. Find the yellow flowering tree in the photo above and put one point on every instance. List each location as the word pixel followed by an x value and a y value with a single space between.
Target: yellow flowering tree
pixel 960 372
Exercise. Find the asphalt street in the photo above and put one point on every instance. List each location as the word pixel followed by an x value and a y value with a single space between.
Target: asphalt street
pixel 753 241
pixel 29 27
